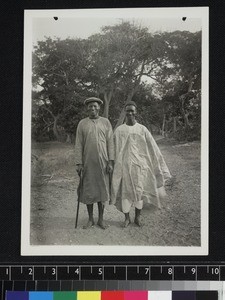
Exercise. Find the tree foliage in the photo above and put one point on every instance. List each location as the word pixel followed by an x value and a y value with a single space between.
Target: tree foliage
pixel 161 72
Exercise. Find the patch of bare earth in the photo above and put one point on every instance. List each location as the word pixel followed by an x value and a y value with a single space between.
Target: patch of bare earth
pixel 54 200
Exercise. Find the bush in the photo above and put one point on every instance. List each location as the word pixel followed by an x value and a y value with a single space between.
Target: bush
pixel 188 134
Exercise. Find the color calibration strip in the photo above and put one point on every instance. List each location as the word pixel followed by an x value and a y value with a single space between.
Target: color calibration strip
pixel 114 295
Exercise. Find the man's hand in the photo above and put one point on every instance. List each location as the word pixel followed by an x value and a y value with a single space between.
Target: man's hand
pixel 109 167
pixel 79 169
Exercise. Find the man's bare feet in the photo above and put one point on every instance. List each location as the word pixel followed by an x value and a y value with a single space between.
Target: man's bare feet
pixel 137 221
pixel 101 224
pixel 126 223
pixel 89 224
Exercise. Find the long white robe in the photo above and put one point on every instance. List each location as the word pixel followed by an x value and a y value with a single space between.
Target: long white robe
pixel 139 168
pixel 94 148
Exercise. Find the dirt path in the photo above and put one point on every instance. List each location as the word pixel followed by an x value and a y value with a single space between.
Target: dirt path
pixel 53 204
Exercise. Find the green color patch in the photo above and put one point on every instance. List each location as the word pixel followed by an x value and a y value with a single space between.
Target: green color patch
pixel 65 296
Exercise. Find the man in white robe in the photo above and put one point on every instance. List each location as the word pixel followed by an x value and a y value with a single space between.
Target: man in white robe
pixel 94 155
pixel 139 167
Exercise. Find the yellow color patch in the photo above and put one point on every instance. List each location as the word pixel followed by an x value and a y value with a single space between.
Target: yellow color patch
pixel 88 295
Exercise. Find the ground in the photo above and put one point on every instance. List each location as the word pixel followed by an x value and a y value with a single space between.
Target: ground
pixel 54 202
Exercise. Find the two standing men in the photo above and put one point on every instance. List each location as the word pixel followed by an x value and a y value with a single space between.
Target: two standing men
pixel 139 166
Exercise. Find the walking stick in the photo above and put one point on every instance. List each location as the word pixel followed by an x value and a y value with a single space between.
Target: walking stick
pixel 110 186
pixel 79 190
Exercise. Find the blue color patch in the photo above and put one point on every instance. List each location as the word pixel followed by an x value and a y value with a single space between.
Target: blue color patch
pixel 40 295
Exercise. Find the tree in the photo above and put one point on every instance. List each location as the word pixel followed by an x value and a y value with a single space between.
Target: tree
pixel 162 72
pixel 120 57
pixel 57 78
pixel 181 78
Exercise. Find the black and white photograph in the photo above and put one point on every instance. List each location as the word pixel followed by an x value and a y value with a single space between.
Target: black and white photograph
pixel 115 132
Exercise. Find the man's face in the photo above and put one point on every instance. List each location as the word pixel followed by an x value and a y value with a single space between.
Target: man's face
pixel 130 112
pixel 93 109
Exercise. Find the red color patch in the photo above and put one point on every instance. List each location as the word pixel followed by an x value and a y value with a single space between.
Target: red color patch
pixel 112 295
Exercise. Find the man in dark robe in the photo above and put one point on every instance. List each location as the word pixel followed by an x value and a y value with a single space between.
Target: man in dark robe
pixel 94 155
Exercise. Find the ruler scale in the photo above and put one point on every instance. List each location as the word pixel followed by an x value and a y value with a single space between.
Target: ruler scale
pixel 112 272
pixel 99 277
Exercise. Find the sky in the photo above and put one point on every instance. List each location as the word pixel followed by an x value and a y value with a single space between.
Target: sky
pixel 83 25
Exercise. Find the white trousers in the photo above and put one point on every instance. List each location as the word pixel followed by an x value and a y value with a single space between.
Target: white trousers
pixel 126 205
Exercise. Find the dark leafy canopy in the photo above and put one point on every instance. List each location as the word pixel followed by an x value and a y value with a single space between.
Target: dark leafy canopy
pixel 161 72
pixel 181 88
pixel 57 78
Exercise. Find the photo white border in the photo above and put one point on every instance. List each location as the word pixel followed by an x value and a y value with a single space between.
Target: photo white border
pixel 92 250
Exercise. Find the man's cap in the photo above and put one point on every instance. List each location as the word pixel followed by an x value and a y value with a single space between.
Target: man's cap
pixel 131 103
pixel 93 99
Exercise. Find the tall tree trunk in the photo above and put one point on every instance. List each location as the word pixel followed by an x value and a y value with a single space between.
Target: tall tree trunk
pixel 184 114
pixel 174 124
pixel 68 138
pixel 106 109
pixel 107 98
pixel 55 118
pixel 163 125
pixel 120 121
pixel 182 101
pixel 55 130
pixel 186 120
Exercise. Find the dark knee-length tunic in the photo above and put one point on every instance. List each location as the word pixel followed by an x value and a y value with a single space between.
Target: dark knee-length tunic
pixel 93 149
